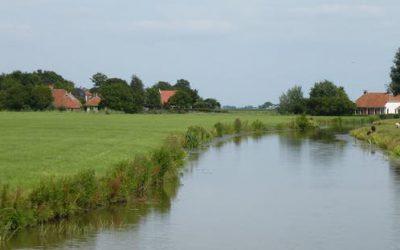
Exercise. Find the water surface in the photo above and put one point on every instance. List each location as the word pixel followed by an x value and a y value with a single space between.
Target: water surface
pixel 278 191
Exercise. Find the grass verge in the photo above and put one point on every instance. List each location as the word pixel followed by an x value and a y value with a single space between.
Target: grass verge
pixel 382 133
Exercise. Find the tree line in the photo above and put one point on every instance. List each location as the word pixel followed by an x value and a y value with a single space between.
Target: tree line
pixel 30 91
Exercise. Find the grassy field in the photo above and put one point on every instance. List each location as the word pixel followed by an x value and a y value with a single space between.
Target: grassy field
pixel 35 145
pixel 386 135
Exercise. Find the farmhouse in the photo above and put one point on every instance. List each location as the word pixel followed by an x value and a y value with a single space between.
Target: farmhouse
pixel 165 95
pixel 92 102
pixel 377 103
pixel 64 99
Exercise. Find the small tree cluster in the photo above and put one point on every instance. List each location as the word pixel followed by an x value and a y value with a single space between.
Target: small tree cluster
pixel 325 99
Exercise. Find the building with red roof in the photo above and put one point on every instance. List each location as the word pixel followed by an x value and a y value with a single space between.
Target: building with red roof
pixel 165 95
pixel 64 99
pixel 92 104
pixel 377 103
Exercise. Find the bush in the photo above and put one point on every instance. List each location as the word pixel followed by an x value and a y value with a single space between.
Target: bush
pixel 303 122
pixel 219 128
pixel 257 125
pixel 195 136
pixel 237 125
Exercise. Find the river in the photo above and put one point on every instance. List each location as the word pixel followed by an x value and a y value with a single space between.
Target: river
pixel 278 191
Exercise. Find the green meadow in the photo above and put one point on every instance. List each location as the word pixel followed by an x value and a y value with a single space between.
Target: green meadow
pixel 36 145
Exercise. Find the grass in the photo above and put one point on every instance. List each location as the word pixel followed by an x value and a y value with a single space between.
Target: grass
pixel 36 145
pixel 386 135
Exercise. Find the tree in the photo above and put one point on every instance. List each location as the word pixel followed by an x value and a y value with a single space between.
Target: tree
pixel 41 97
pixel 117 95
pixel 180 100
pixel 184 85
pixel 163 86
pixel 200 104
pixel 292 101
pixel 138 93
pixel 394 86
pixel 266 105
pixel 14 97
pixel 328 99
pixel 99 79
pixel 212 103
pixel 153 99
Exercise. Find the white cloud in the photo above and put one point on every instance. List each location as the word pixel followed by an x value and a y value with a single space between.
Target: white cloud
pixel 340 9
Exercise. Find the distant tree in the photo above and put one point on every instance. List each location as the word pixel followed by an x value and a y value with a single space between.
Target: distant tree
pixel 200 104
pixel 180 100
pixel 184 85
pixel 229 107
pixel 117 95
pixel 14 96
pixel 50 77
pixel 266 105
pixel 328 99
pixel 394 86
pixel 153 99
pixel 292 101
pixel 41 97
pixel 163 86
pixel 99 79
pixel 212 103
pixel 138 93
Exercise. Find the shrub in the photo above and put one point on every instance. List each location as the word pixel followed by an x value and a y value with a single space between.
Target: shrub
pixel 195 136
pixel 237 125
pixel 303 122
pixel 257 125
pixel 219 128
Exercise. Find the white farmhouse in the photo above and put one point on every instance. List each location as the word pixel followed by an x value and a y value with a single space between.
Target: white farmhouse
pixel 377 103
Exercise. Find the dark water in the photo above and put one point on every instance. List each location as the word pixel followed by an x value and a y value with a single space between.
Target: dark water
pixel 279 191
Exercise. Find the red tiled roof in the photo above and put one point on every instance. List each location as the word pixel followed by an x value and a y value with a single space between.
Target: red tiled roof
pixel 93 102
pixel 64 99
pixel 375 100
pixel 165 95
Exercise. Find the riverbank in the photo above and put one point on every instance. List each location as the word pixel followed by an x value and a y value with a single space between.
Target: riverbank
pixel 383 133
pixel 143 174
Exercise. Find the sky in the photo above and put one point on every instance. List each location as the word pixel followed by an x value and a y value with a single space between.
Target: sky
pixel 242 52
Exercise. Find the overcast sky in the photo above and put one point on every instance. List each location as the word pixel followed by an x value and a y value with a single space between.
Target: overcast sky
pixel 238 51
